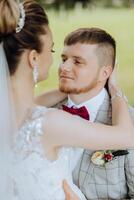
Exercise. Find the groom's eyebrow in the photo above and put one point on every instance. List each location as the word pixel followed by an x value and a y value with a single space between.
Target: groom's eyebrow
pixel 79 58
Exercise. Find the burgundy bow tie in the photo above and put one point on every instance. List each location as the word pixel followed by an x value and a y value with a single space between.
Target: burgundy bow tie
pixel 82 112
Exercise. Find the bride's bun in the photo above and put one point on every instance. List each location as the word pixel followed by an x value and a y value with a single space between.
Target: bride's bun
pixel 9 16
pixel 35 24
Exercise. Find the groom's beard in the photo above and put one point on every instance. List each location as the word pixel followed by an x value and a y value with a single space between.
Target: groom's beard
pixel 75 90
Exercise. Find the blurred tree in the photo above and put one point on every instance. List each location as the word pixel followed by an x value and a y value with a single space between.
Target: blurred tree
pixel 70 4
pixel 67 4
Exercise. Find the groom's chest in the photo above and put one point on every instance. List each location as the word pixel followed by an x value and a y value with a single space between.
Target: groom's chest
pixel 92 175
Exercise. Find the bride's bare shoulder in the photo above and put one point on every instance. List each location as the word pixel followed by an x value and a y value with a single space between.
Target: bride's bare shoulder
pixel 54 113
pixel 55 120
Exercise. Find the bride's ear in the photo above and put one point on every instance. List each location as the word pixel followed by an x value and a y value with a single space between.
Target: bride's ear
pixel 32 58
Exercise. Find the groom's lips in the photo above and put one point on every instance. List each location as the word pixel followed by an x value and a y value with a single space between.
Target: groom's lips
pixel 65 77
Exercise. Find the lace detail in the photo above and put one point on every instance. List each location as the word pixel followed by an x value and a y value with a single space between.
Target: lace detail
pixel 34 176
pixel 28 139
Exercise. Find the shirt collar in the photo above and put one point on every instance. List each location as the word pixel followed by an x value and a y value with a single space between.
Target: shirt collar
pixel 92 104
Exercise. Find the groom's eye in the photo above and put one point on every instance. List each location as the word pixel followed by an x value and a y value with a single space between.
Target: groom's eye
pixel 64 59
pixel 77 62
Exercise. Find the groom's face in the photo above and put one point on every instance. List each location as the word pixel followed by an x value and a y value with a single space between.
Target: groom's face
pixel 79 70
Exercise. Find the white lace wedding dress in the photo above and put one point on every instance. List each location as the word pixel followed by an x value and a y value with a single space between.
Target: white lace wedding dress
pixel 34 176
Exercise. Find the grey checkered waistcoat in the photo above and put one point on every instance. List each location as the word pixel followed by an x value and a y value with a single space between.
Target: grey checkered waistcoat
pixel 115 180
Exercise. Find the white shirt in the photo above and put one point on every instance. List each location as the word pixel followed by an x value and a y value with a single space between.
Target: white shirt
pixel 92 105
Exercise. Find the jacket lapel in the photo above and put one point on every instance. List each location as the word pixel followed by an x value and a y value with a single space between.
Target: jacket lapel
pixel 104 114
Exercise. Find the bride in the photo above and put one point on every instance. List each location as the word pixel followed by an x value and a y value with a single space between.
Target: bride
pixel 42 140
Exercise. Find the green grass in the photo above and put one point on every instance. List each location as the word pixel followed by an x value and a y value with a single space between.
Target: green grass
pixel 118 22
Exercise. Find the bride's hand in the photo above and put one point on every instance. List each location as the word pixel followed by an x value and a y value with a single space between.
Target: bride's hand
pixel 113 77
pixel 112 82
pixel 69 193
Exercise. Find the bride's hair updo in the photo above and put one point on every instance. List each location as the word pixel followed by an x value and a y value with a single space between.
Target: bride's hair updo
pixel 35 25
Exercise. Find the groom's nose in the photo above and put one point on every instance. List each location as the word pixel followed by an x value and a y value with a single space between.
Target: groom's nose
pixel 66 65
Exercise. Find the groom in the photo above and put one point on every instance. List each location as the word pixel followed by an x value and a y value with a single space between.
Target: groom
pixel 88 59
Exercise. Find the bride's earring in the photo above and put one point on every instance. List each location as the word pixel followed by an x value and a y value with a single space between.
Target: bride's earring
pixel 35 74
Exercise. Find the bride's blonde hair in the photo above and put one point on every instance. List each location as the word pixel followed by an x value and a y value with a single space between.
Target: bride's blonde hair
pixel 9 16
pixel 36 24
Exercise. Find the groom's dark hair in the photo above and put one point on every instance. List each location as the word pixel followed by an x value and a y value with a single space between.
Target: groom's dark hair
pixel 106 45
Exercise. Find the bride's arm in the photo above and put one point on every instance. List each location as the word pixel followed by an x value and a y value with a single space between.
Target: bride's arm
pixel 50 98
pixel 63 129
pixel 66 130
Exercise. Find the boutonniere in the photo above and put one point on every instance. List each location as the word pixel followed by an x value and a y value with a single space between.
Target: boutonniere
pixel 100 158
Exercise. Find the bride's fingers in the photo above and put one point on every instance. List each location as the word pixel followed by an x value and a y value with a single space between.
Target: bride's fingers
pixel 66 190
pixel 113 76
pixel 69 193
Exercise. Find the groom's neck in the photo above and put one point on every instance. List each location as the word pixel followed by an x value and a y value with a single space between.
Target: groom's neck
pixel 82 97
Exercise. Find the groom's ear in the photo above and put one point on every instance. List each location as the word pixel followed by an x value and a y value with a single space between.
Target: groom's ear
pixel 105 72
pixel 32 58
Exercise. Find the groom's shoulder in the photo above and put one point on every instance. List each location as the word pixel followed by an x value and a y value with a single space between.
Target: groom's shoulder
pixel 106 104
pixel 106 107
pixel 59 104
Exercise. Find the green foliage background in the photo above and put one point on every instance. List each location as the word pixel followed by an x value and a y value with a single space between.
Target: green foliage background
pixel 118 22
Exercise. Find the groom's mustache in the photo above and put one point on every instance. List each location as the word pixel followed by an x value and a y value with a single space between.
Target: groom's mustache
pixel 65 75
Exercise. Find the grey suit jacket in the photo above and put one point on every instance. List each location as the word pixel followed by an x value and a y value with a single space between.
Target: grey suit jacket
pixel 115 180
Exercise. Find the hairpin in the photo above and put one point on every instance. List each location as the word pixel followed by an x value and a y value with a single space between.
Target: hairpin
pixel 21 21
